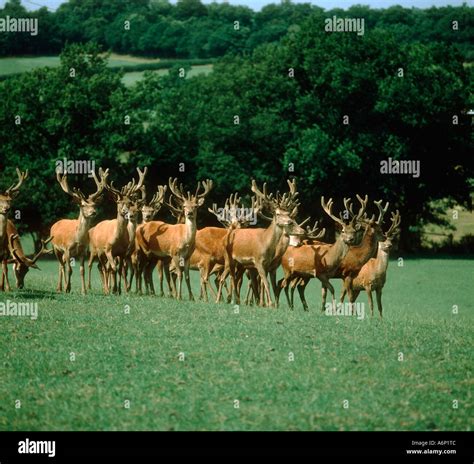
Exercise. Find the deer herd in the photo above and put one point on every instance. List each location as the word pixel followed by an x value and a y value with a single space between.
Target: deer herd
pixel 126 249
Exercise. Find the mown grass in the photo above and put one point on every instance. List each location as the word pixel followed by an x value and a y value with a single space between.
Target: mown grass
pixel 127 348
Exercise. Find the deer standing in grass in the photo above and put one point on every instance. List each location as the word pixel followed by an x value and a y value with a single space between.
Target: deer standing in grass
pixel 208 255
pixel 357 256
pixel 149 211
pixel 110 240
pixel 175 241
pixel 6 199
pixel 21 262
pixel 71 236
pixel 373 274
pixel 257 248
pixel 318 259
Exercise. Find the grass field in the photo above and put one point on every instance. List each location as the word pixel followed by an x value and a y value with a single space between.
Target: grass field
pixel 12 65
pixel 133 77
pixel 128 348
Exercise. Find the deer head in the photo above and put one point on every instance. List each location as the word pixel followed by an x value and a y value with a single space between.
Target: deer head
pixel 282 207
pixel 87 205
pixel 376 225
pixel 392 232
pixel 350 226
pixel 8 195
pixel 130 198
pixel 187 204
pixel 150 210
pixel 22 264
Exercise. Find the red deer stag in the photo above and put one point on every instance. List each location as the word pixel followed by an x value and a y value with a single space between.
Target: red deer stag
pixel 257 248
pixel 319 259
pixel 175 241
pixel 71 236
pixel 6 199
pixel 110 239
pixel 373 273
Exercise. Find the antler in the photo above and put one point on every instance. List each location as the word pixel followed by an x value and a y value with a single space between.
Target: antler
pixel 328 210
pixel 313 232
pixel 175 190
pixel 43 249
pixel 382 211
pixel 394 227
pixel 74 192
pixel 99 183
pixel 159 196
pixel 13 190
pixel 176 211
pixel 363 205
pixel 207 185
pixel 288 201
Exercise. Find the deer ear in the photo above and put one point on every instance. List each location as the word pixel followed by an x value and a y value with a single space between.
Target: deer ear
pixel 200 201
pixel 338 226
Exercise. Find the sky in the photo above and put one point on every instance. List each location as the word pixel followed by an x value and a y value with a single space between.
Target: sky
pixel 258 4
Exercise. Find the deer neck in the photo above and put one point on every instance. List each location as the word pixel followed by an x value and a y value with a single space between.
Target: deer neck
pixel 273 238
pixel 121 229
pixel 190 230
pixel 368 246
pixel 382 261
pixel 84 224
pixel 338 251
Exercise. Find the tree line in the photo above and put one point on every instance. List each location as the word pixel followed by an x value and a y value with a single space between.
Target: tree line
pixel 190 29
pixel 324 108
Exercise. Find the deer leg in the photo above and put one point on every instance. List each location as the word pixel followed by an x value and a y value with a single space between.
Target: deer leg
pixel 369 296
pixel 59 257
pixel 159 271
pixel 5 276
pixel 378 293
pixel 68 273
pixel 343 294
pixel 82 272
pixel 89 265
pixel 264 283
pixel 222 278
pixel 179 274
pixel 149 277
pixel 350 293
pixel 273 281
pixel 188 280
pixel 301 288
pixel 2 280
pixel 125 268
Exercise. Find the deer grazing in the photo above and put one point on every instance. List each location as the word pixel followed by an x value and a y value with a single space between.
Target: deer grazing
pixel 71 236
pixel 257 248
pixel 319 259
pixel 21 262
pixel 6 199
pixel 110 240
pixel 373 274
pixel 175 241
